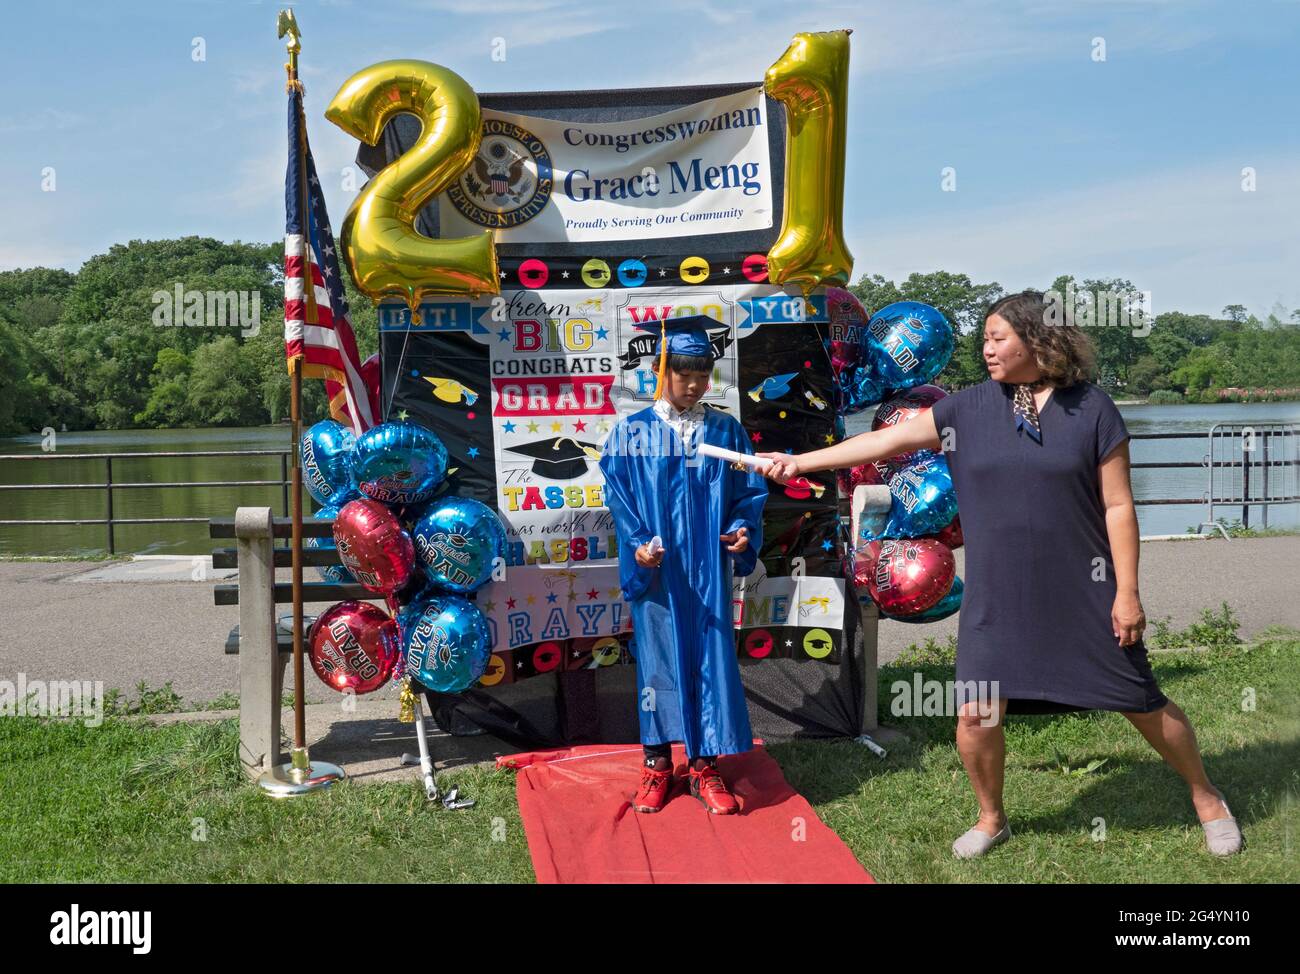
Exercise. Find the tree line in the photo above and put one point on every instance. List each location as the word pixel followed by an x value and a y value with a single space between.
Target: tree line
pixel 129 340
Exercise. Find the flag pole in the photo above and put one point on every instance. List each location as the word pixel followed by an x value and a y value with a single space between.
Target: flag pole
pixel 300 776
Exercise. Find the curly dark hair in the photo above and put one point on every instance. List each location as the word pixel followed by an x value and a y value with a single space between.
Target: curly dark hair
pixel 1064 354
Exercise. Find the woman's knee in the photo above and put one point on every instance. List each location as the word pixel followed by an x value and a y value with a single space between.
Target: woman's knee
pixel 980 714
pixel 1150 718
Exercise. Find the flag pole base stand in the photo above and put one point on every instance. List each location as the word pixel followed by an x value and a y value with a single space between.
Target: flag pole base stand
pixel 300 776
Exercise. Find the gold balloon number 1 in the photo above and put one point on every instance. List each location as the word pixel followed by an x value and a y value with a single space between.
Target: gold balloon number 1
pixel 383 250
pixel 812 80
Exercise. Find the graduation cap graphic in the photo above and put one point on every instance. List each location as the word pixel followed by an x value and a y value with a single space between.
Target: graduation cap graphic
pixel 559 458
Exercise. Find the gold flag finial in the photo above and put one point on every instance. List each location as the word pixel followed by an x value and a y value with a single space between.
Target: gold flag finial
pixel 286 23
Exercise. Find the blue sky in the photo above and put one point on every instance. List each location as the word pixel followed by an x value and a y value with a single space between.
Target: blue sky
pixel 1129 167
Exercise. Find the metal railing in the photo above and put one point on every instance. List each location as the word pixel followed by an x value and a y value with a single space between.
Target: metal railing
pixel 1263 449
pixel 1272 446
pixel 108 485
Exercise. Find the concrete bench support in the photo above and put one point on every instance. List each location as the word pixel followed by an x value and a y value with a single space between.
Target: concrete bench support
pixel 261 672
pixel 873 499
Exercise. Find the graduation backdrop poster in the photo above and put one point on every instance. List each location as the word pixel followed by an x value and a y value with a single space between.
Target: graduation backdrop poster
pixel 614 210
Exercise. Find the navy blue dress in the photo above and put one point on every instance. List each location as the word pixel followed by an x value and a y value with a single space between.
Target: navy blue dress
pixel 1040 581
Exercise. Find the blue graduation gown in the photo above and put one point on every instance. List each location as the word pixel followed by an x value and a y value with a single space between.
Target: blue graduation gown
pixel 682 610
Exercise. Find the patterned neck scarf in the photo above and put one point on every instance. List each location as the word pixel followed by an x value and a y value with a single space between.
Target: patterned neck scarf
pixel 1026 412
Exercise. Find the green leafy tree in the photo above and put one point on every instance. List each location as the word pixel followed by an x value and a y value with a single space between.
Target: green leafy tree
pixel 221 378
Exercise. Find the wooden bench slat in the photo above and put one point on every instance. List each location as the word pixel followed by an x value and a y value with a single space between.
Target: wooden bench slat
pixel 227 593
pixel 283 641
pixel 312 557
pixel 281 527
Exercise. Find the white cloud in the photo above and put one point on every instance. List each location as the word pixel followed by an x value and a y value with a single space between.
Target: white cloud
pixel 1191 237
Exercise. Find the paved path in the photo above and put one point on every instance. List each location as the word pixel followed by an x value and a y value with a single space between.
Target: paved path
pixel 123 622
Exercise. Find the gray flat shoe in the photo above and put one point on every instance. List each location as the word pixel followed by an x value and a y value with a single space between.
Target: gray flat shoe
pixel 1223 835
pixel 975 843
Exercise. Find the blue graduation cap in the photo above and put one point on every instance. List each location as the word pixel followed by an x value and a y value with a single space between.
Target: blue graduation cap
pixel 687 335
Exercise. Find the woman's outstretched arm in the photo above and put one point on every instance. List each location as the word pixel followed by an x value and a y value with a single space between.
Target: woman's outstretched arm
pixel 1128 619
pixel 918 433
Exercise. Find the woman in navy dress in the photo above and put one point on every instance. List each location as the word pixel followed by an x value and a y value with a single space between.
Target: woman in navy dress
pixel 1051 619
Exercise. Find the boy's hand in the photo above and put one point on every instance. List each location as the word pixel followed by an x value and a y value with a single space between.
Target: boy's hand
pixel 737 541
pixel 647 558
pixel 784 466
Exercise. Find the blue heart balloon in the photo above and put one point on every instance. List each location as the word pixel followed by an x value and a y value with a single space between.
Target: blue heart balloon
pixel 942 609
pixel 907 344
pixel 922 499
pixel 458 539
pixel 447 644
pixel 326 451
pixel 331 573
pixel 399 463
pixel 863 388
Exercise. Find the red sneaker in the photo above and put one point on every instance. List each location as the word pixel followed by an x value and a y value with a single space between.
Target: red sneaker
pixel 655 788
pixel 707 785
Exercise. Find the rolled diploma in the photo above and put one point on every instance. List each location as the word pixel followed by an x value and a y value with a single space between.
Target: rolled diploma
pixel 731 456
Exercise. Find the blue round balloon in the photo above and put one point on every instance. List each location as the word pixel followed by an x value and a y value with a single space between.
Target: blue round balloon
pixel 457 540
pixel 399 463
pixel 942 609
pixel 326 451
pixel 922 498
pixel 447 644
pixel 906 344
pixel 331 573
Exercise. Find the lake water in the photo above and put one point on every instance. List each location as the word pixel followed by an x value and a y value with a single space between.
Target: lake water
pixel 91 539
pixel 222 501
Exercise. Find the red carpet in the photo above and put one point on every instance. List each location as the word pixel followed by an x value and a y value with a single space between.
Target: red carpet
pixel 577 812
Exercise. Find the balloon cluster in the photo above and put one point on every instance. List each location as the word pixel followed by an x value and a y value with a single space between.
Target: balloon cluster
pixel 423 554
pixel 902 558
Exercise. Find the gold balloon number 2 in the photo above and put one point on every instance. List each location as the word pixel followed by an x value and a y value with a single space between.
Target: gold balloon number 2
pixel 383 250
pixel 812 79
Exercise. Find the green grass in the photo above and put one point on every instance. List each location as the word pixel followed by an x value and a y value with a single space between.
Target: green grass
pixel 1236 529
pixel 131 802
pixel 134 802
pixel 71 555
pixel 900 815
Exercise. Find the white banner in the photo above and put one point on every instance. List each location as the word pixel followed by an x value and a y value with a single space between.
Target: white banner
pixel 701 169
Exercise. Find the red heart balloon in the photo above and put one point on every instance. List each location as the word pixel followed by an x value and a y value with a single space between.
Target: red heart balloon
pixel 847 319
pixel 905 406
pixel 950 535
pixel 373 545
pixel 867 473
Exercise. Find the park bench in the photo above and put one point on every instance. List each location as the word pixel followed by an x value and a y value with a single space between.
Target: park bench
pixel 264 647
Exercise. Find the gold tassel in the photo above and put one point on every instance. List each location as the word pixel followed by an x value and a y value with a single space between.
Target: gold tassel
pixel 406 703
pixel 661 376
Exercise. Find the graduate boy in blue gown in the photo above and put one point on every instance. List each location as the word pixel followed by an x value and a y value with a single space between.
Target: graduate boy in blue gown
pixel 706 516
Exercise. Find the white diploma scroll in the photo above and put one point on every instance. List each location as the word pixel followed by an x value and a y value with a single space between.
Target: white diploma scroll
pixel 731 456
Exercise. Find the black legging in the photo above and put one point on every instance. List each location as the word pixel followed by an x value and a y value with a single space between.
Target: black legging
pixel 665 751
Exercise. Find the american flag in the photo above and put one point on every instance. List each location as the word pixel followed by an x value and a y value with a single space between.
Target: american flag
pixel 316 325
